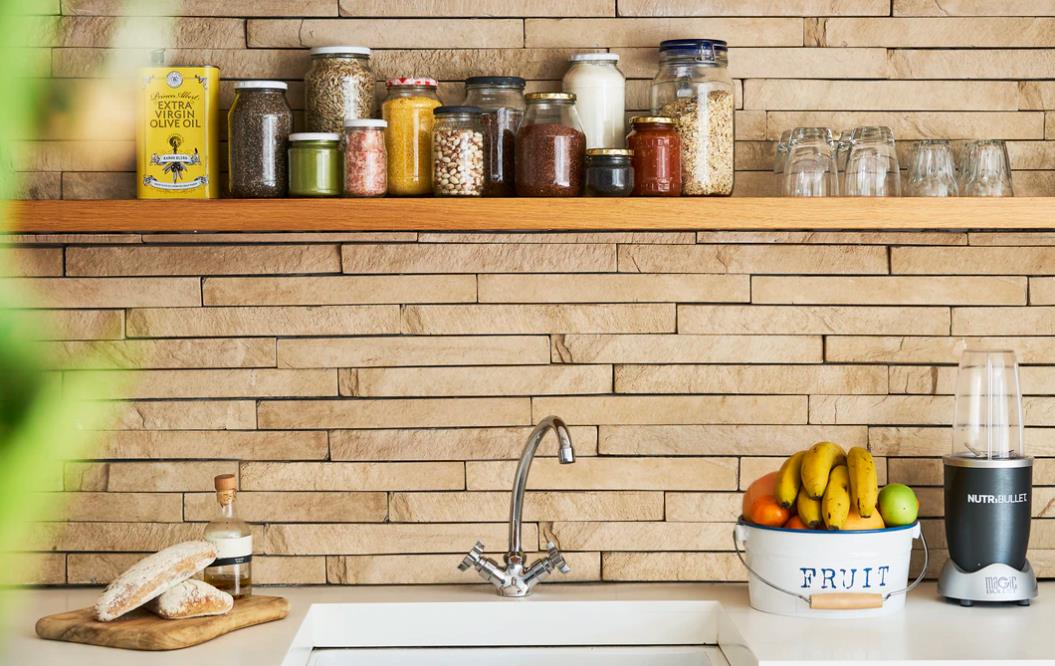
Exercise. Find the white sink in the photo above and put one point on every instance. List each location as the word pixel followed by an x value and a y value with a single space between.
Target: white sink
pixel 554 656
pixel 479 628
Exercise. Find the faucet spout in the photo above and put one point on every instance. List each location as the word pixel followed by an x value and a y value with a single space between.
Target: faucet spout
pixel 517 578
pixel 566 455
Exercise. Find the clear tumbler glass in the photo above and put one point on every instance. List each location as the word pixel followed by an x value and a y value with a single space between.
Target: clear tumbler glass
pixel 810 169
pixel 932 171
pixel 986 170
pixel 872 167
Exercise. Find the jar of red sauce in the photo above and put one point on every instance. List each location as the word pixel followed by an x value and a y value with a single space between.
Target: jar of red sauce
pixel 657 156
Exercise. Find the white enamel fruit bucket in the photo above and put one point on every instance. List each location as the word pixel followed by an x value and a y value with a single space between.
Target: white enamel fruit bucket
pixel 828 574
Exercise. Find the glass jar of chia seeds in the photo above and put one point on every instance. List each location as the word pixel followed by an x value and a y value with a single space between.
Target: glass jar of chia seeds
pixel 609 172
pixel 339 86
pixel 550 147
pixel 258 127
pixel 502 101
pixel 459 152
pixel 314 164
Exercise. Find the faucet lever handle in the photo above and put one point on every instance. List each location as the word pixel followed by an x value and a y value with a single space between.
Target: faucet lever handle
pixel 556 558
pixel 473 558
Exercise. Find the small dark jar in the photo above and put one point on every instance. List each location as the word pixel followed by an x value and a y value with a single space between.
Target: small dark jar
pixel 609 172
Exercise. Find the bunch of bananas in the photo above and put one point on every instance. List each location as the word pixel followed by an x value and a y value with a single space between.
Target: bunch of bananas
pixel 824 482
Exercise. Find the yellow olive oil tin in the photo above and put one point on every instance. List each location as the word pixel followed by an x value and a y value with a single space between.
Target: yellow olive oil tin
pixel 178 133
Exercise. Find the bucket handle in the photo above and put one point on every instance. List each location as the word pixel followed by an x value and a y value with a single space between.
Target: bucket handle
pixel 840 600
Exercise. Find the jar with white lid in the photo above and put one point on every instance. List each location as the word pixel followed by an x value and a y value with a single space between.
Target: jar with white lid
pixel 314 164
pixel 600 98
pixel 365 158
pixel 339 86
pixel 258 127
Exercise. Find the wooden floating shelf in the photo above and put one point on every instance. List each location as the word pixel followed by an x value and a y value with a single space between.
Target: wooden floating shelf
pixel 572 214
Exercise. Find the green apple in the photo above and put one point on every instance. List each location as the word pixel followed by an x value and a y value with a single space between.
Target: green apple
pixel 898 505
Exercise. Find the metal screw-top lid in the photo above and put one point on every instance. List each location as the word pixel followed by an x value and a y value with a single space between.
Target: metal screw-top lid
pixel 340 50
pixel 226 482
pixel 314 136
pixel 550 97
pixel 594 57
pixel 495 82
pixel 609 152
pixel 457 111
pixel 375 123
pixel 411 82
pixel 261 85
pixel 652 120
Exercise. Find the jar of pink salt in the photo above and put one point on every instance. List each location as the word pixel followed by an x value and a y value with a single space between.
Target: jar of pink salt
pixel 365 159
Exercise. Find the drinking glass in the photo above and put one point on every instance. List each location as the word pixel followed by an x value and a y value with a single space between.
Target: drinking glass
pixel 985 170
pixel 842 150
pixel 872 168
pixel 988 417
pixel 932 172
pixel 781 154
pixel 810 169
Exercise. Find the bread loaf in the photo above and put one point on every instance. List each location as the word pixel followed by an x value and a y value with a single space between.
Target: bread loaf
pixel 191 598
pixel 151 576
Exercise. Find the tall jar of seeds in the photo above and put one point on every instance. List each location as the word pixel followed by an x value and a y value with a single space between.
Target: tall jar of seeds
pixel 459 152
pixel 339 86
pixel 258 127
pixel 408 110
pixel 693 87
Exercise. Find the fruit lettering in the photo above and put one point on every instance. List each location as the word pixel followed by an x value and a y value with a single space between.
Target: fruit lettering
pixel 847 577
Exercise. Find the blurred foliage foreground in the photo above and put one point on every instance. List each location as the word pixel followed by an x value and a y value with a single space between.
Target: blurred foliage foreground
pixel 45 418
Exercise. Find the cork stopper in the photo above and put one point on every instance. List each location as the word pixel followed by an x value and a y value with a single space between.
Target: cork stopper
pixel 225 482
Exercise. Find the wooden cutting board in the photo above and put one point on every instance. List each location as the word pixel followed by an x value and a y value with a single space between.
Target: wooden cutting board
pixel 142 630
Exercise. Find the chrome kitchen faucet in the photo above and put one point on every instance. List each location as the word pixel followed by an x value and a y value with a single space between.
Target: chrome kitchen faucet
pixel 515 580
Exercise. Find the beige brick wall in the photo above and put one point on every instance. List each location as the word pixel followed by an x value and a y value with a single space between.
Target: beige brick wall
pixel 373 391
pixel 956 69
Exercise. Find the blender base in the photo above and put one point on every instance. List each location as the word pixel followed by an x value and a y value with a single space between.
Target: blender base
pixel 995 583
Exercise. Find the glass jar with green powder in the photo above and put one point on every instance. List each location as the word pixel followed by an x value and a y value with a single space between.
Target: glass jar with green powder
pixel 314 164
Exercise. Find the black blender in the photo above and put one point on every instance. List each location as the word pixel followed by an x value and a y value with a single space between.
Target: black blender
pixel 988 486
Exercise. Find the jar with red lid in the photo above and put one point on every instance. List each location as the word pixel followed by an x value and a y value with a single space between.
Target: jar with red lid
pixel 656 156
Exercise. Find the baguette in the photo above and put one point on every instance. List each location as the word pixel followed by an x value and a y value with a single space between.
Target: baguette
pixel 191 598
pixel 151 576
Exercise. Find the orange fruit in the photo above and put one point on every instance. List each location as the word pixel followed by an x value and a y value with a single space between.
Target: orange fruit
pixel 767 511
pixel 760 487
pixel 795 523
pixel 855 522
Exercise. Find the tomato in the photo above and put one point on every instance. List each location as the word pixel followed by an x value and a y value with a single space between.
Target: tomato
pixel 763 485
pixel 766 511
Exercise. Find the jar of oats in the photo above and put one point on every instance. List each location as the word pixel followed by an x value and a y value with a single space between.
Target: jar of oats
pixel 459 152
pixel 339 86
pixel 693 87
pixel 408 110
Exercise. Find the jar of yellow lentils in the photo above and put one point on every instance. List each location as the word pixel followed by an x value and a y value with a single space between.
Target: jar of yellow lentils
pixel 408 141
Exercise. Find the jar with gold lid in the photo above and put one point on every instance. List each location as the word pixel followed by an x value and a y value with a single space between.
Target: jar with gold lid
pixel 657 156
pixel 609 172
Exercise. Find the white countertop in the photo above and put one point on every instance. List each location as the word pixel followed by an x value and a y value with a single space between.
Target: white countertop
pixel 929 630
